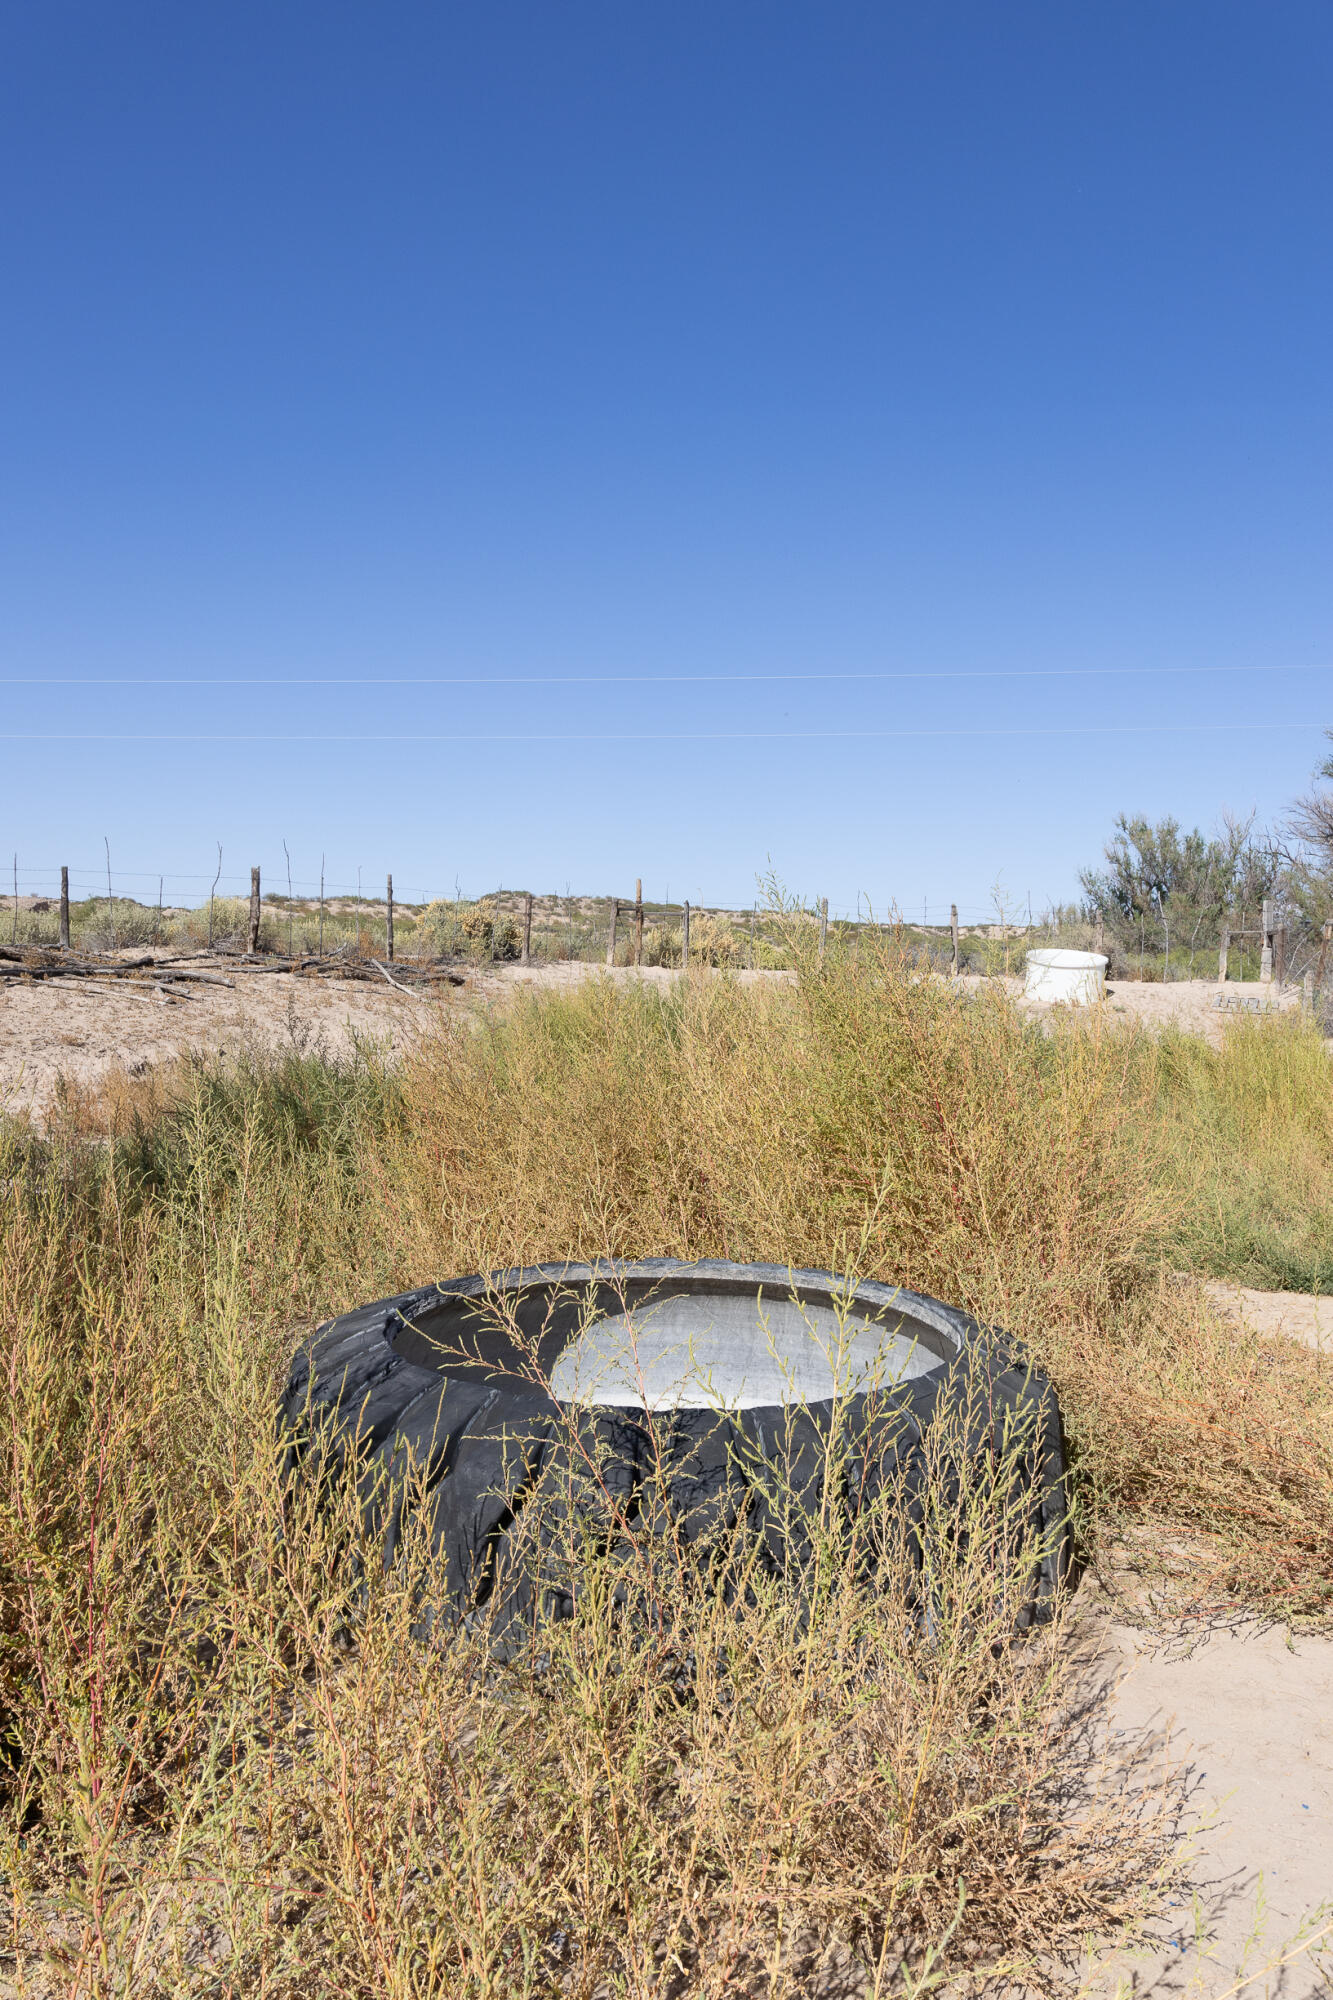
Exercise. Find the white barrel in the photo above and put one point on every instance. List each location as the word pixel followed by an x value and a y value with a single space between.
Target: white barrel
pixel 1076 977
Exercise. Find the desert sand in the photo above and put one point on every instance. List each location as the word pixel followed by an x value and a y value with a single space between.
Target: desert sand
pixel 1299 1315
pixel 1244 1713
pixel 62 1027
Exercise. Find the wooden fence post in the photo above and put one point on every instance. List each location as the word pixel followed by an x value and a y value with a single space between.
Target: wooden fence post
pixel 211 894
pixel 685 938
pixel 638 921
pixel 1266 943
pixel 252 943
pixel 611 934
pixel 752 937
pixel 388 919
pixel 527 929
pixel 321 906
pixel 64 910
pixel 823 924
pixel 1222 950
pixel 110 900
pixel 953 933
pixel 1280 955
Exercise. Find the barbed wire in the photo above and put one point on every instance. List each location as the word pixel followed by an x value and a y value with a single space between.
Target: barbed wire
pixel 814 677
pixel 89 884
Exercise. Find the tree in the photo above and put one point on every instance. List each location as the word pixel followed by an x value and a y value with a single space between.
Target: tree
pixel 1309 860
pixel 1180 884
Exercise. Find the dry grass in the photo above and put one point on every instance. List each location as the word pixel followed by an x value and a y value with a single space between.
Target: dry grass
pixel 230 1773
pixel 1253 1132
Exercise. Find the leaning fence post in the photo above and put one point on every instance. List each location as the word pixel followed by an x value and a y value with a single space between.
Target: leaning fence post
pixel 685 938
pixel 611 936
pixel 252 943
pixel 823 924
pixel 527 929
pixel 1280 955
pixel 953 933
pixel 1222 950
pixel 1266 943
pixel 64 910
pixel 638 922
pixel 388 919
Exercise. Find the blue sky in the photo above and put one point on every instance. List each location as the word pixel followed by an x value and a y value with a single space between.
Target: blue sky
pixel 428 435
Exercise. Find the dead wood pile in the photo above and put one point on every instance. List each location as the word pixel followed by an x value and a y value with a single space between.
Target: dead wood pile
pixel 169 978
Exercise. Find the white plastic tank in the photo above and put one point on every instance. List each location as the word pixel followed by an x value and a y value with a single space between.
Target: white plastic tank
pixel 1076 977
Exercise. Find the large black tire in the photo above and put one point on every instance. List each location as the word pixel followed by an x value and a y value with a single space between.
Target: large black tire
pixel 430 1380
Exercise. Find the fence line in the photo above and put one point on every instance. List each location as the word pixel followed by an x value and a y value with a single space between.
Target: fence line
pixel 1285 953
pixel 92 880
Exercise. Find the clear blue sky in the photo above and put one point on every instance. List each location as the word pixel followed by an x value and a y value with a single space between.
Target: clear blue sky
pixel 652 345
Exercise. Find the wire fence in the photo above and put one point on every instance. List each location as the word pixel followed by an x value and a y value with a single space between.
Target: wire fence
pixel 180 889
pixel 278 908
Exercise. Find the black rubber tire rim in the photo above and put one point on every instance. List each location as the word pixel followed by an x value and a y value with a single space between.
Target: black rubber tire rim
pixel 430 1379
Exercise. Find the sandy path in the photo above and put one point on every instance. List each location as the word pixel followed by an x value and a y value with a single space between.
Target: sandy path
pixel 50 1028
pixel 1190 1004
pixel 1247 1711
pixel 1300 1315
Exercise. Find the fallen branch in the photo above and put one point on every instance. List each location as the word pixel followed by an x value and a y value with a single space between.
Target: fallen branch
pixel 397 984
pixel 202 978
pixel 139 990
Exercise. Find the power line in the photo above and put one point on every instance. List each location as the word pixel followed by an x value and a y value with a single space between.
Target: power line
pixel 417 736
pixel 638 680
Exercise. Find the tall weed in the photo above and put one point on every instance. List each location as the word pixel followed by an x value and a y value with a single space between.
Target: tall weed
pixel 225 1773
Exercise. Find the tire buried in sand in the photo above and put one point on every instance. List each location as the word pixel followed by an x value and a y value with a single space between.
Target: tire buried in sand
pixel 527 1408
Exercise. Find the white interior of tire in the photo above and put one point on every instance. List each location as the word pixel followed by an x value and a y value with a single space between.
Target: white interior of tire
pixel 692 1351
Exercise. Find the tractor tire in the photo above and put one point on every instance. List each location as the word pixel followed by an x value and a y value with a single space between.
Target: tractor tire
pixel 439 1405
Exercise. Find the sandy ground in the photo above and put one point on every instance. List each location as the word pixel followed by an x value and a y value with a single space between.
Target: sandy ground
pixel 55 1027
pixel 60 1027
pixel 1299 1315
pixel 1246 1709
pixel 1246 1712
pixel 1190 1004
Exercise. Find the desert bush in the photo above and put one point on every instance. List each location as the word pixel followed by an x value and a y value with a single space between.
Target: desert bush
pixel 1026 1172
pixel 1252 1124
pixel 474 930
pixel 99 925
pixel 41 927
pixel 230 926
pixel 232 1759
pixel 713 941
pixel 229 1763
